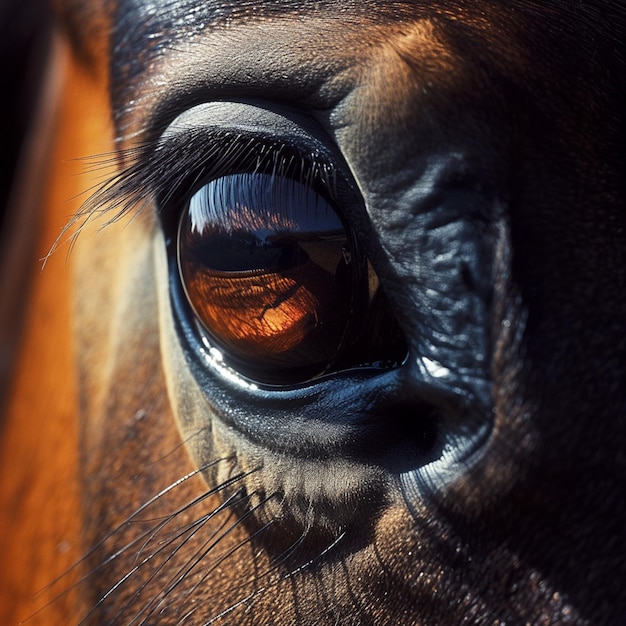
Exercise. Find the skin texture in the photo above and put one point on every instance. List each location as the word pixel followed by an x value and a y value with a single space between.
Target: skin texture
pixel 480 157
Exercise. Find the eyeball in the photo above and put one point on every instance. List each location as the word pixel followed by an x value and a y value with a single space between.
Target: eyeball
pixel 271 273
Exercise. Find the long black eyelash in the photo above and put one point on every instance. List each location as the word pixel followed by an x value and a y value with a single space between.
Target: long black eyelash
pixel 167 169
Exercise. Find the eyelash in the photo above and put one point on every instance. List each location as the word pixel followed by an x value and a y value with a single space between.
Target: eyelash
pixel 169 171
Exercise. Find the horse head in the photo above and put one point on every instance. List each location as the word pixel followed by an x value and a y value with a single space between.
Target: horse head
pixel 350 344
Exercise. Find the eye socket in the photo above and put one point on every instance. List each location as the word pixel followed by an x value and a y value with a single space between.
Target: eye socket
pixel 256 207
pixel 272 274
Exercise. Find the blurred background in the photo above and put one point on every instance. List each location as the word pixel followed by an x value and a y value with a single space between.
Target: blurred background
pixel 25 38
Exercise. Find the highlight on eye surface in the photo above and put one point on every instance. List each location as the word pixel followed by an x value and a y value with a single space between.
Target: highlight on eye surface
pixel 267 267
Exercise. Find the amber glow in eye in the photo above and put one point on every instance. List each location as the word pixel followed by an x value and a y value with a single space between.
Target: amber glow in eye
pixel 268 269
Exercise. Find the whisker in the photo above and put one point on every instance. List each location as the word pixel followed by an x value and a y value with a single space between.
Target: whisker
pixel 250 538
pixel 153 604
pixel 217 563
pixel 165 520
pixel 189 529
pixel 130 519
pixel 178 446
pixel 205 549
pixel 258 592
pixel 275 565
pixel 317 558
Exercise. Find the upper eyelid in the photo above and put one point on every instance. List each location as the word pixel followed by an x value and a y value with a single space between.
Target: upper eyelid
pixel 210 155
pixel 204 147
pixel 265 126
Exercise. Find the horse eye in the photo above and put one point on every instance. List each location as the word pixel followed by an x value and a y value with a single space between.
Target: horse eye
pixel 270 272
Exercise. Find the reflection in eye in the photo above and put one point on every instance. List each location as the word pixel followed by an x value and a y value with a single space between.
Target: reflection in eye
pixel 269 270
